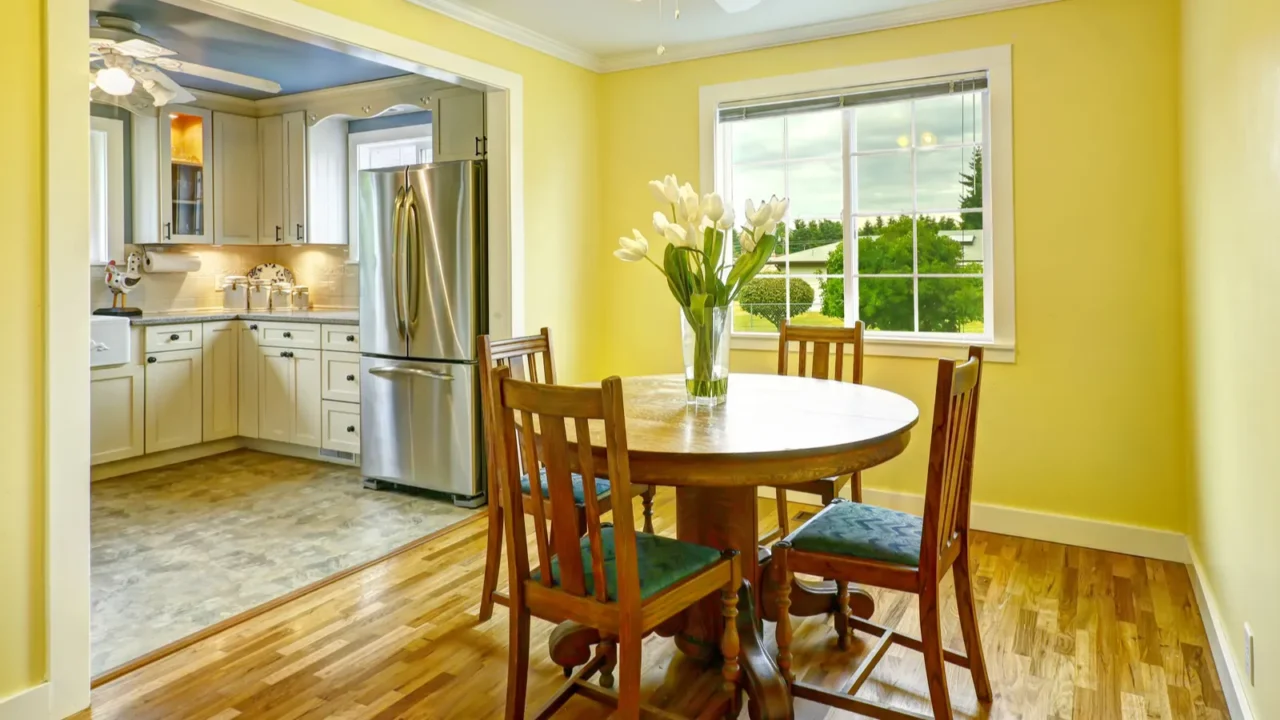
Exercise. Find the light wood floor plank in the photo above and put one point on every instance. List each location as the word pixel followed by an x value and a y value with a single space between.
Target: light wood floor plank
pixel 1069 633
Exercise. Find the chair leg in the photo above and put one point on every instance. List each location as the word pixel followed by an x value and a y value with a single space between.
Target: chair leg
pixel 609 649
pixel 844 633
pixel 647 500
pixel 935 665
pixel 629 662
pixel 730 644
pixel 784 520
pixel 969 623
pixel 855 487
pixel 783 600
pixel 492 560
pixel 518 661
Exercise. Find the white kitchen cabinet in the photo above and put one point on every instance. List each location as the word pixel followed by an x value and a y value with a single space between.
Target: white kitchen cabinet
pixel 174 399
pixel 291 335
pixel 116 413
pixel 345 338
pixel 271 180
pixel 328 182
pixel 247 387
pixel 289 396
pixel 295 177
pixel 341 377
pixel 235 179
pixel 341 427
pixel 163 338
pixel 186 168
pixel 458 125
pixel 221 362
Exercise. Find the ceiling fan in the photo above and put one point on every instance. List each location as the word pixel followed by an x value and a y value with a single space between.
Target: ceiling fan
pixel 128 67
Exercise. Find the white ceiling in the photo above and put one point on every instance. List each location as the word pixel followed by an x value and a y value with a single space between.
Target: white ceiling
pixel 618 34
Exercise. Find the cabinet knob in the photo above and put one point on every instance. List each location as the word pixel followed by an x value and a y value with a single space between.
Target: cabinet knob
pixel 151 359
pixel 288 334
pixel 351 338
pixel 285 353
pixel 351 428
pixel 351 378
pixel 174 337
pixel 253 326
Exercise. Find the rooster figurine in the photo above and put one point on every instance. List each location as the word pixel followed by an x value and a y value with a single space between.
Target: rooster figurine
pixel 122 282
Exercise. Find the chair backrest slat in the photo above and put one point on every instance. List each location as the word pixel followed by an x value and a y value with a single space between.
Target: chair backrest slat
pixel 523 355
pixel 845 341
pixel 955 417
pixel 527 447
pixel 544 414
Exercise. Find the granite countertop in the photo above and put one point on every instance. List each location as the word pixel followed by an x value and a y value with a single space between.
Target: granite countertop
pixel 334 316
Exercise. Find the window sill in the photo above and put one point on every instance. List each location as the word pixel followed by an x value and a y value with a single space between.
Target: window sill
pixel 892 347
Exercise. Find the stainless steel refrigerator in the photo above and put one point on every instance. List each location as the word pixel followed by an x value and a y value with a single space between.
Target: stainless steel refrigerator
pixel 423 295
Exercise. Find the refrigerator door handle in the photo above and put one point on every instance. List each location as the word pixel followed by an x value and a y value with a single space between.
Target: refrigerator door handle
pixel 397 264
pixel 417 372
pixel 413 263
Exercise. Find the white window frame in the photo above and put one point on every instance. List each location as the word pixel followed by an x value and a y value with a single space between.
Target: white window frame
pixel 106 187
pixel 372 137
pixel 998 183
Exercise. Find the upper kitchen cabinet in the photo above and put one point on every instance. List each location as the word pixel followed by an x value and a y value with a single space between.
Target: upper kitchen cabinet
pixel 458 122
pixel 186 152
pixel 235 179
pixel 282 179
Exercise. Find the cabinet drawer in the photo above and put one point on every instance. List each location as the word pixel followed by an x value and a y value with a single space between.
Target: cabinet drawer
pixel 162 338
pixel 289 335
pixel 340 378
pixel 340 427
pixel 340 337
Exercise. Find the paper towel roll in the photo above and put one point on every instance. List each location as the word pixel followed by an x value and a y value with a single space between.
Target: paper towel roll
pixel 162 262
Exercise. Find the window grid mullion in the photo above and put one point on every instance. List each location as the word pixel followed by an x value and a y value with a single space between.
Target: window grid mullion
pixel 849 209
pixel 915 229
pixel 786 248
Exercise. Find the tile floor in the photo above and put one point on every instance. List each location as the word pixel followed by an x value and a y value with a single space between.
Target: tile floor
pixel 180 548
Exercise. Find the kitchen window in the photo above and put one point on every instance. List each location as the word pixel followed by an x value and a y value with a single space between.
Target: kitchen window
pixel 378 149
pixel 106 190
pixel 900 216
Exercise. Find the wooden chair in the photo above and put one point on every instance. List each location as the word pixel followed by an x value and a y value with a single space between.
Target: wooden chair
pixel 875 546
pixel 622 583
pixel 823 340
pixel 529 358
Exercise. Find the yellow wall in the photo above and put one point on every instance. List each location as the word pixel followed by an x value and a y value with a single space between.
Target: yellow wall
pixel 22 295
pixel 561 195
pixel 1231 120
pixel 1089 421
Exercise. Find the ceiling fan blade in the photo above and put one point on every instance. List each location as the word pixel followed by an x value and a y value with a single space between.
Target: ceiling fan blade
pixel 141 48
pixel 226 76
pixel 162 88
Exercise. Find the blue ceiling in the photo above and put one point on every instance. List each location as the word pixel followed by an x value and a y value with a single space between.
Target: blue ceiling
pixel 206 40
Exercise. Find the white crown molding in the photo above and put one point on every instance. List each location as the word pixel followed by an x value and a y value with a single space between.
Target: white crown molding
pixel 511 31
pixel 941 10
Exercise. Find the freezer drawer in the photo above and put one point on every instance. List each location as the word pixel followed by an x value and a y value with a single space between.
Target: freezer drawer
pixel 419 424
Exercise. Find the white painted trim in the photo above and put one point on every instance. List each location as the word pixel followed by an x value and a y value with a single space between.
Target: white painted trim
pixel 30 704
pixel 1063 529
pixel 113 178
pixel 66 380
pixel 65 376
pixel 889 347
pixel 1229 675
pixel 997 62
pixel 511 31
pixel 941 10
pixel 917 15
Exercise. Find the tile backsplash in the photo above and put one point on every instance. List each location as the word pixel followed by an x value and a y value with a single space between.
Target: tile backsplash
pixel 324 270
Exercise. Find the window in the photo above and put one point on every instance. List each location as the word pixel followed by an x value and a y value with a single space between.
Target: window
pixel 378 149
pixel 106 190
pixel 893 218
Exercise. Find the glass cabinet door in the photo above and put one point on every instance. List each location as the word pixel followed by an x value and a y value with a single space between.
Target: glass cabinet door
pixel 186 153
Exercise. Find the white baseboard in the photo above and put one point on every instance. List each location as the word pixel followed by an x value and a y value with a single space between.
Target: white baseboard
pixel 1064 529
pixel 30 704
pixel 1228 676
pixel 152 461
pixel 304 452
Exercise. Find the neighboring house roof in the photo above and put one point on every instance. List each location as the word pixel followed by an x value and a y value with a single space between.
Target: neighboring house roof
pixel 813 256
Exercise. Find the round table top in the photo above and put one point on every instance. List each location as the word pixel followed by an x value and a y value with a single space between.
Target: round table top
pixel 773 430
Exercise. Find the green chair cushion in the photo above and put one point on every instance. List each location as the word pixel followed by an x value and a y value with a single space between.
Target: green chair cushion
pixel 863 531
pixel 579 494
pixel 663 563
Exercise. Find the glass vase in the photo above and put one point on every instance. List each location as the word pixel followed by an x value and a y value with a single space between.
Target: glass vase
pixel 705 333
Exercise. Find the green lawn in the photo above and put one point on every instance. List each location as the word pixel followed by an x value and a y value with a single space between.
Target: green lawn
pixel 744 321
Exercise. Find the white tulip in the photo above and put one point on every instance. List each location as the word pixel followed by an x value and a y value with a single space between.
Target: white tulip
pixel 747 240
pixel 678 236
pixel 758 216
pixel 779 208
pixel 671 189
pixel 659 191
pixel 660 222
pixel 689 207
pixel 712 207
pixel 633 249
pixel 726 220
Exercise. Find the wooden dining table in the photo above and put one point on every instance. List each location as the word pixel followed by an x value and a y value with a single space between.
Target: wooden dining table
pixel 773 431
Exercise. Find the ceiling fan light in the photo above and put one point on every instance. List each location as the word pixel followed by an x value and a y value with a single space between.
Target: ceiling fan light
pixel 114 81
pixel 737 6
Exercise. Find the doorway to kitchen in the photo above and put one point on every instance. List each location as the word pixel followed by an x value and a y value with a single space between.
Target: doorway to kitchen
pixel 176 517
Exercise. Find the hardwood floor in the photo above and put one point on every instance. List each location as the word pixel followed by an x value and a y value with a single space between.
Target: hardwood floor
pixel 1068 632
